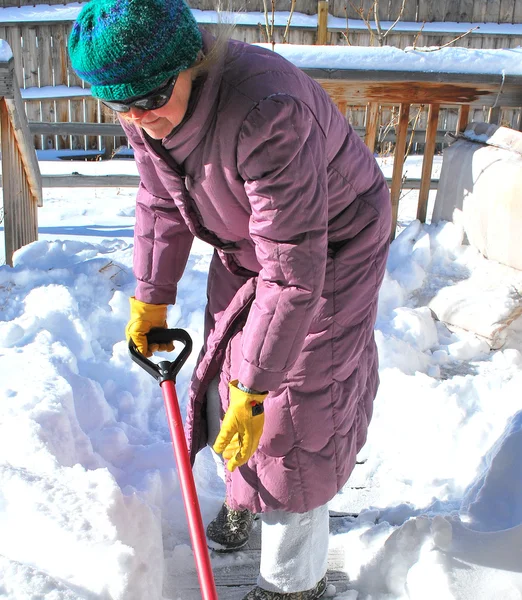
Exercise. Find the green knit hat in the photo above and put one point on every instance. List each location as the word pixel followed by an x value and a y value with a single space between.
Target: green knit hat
pixel 127 48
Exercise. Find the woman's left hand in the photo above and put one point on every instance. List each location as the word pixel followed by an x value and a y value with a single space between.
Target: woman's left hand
pixel 242 426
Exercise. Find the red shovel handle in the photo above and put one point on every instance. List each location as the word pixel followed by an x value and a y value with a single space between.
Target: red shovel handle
pixel 165 372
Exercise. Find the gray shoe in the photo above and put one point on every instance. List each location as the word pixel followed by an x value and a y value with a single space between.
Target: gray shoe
pixel 316 592
pixel 230 530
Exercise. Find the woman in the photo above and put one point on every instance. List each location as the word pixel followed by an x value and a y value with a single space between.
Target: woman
pixel 238 147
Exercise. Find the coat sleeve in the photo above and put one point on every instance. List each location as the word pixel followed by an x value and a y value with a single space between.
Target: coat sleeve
pixel 281 157
pixel 162 240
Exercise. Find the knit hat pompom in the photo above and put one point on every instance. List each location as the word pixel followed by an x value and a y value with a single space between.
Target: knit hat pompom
pixel 126 48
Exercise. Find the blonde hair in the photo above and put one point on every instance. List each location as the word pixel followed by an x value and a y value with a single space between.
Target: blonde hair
pixel 225 28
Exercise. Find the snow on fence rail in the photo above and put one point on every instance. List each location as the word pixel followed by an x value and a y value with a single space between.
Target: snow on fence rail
pixel 22 186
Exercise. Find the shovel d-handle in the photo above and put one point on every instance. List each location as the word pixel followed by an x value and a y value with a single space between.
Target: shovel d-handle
pixel 165 373
pixel 165 370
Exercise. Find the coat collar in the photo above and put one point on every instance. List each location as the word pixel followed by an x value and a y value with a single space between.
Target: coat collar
pixel 201 110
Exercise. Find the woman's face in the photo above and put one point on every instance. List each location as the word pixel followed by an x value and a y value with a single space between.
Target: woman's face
pixel 159 123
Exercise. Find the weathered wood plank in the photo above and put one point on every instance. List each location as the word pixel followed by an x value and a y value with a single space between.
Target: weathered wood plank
pixel 361 86
pixel 465 11
pixel 463 118
pixel 117 181
pixel 372 123
pixel 507 8
pixel 427 162
pixel 492 11
pixel 517 12
pixel 47 107
pixel 20 128
pixel 20 219
pixel 67 128
pixel 12 187
pixel 91 116
pixel 14 39
pixel 59 65
pixel 410 11
pixel 452 12
pixel 479 12
pixel 322 22
pixel 30 63
pixel 398 163
pixel 494 115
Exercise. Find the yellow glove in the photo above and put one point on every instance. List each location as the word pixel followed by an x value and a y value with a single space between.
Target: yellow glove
pixel 242 426
pixel 143 318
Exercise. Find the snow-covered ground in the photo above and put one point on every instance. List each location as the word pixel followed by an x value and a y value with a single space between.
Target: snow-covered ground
pixel 90 506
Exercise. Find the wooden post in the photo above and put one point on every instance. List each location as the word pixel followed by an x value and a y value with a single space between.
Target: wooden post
pixel 372 123
pixel 21 180
pixel 47 107
pixel 322 23
pixel 463 118
pixel 427 163
pixel 398 163
pixel 11 184
pixel 494 115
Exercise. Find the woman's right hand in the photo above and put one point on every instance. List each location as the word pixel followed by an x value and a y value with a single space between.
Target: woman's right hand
pixel 143 318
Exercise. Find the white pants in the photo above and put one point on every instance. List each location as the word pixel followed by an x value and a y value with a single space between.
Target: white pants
pixel 294 546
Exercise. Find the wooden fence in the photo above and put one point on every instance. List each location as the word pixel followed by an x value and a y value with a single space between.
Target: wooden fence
pixel 380 90
pixel 42 66
pixel 42 63
pixel 460 11
pixel 21 181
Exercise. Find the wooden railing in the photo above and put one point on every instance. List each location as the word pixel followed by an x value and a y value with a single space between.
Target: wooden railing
pixel 379 89
pixel 41 57
pixel 21 181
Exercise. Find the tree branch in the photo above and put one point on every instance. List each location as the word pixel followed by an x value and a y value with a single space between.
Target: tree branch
pixel 401 12
pixel 418 35
pixel 437 48
pixel 380 36
pixel 292 8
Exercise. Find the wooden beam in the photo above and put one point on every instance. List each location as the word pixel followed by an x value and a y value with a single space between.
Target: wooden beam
pixel 87 181
pixel 115 129
pixel 123 180
pixel 427 162
pixel 322 23
pixel 6 78
pixel 372 123
pixel 9 190
pixel 68 128
pixel 494 115
pixel 398 87
pixel 398 163
pixel 463 118
pixel 20 218
pixel 16 112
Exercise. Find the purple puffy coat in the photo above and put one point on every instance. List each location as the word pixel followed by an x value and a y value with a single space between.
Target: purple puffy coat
pixel 272 176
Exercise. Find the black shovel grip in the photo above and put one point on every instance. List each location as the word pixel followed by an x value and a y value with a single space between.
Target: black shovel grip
pixel 165 370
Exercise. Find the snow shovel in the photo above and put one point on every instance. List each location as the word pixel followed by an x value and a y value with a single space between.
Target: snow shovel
pixel 165 373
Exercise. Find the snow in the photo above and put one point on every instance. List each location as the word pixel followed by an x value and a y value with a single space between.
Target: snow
pixel 90 505
pixel 54 91
pixel 5 51
pixel 388 58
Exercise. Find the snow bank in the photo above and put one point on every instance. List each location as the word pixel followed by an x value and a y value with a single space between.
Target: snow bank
pixel 90 505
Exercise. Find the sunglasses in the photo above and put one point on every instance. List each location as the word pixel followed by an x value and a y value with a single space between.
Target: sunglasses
pixel 151 101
